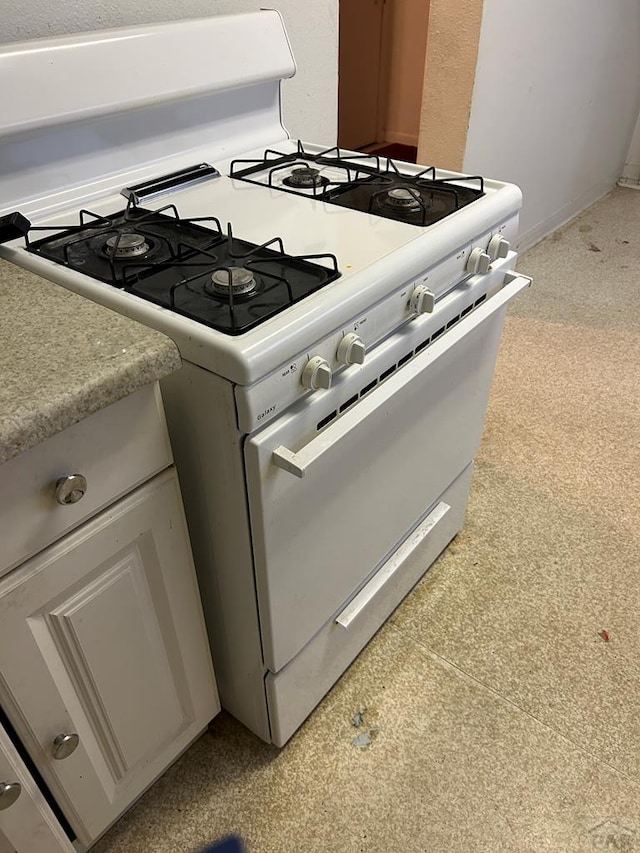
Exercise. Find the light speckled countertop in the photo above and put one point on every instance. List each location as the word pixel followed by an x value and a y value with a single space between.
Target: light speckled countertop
pixel 62 358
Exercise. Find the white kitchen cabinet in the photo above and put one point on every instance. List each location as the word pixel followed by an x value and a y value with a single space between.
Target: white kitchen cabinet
pixel 27 824
pixel 105 670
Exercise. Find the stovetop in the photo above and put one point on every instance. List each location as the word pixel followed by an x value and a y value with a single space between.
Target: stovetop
pixel 363 182
pixel 189 266
pixel 375 256
pixel 289 230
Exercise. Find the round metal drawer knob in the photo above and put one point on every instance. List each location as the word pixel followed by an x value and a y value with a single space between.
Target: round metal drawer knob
pixel 64 745
pixel 70 489
pixel 9 793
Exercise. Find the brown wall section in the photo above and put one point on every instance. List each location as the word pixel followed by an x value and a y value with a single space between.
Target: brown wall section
pixel 450 69
pixel 406 22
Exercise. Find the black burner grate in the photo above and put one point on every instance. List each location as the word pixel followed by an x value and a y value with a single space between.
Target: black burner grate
pixel 171 262
pixel 92 246
pixel 363 182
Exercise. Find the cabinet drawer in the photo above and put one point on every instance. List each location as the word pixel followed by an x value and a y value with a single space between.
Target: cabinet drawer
pixel 115 449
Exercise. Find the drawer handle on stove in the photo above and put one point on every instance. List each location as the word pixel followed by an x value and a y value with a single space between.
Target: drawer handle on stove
pixel 388 570
pixel 299 463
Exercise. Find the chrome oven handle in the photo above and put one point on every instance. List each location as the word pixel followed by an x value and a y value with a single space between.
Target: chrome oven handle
pixel 300 462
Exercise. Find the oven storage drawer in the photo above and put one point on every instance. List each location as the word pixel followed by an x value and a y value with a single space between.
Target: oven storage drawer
pixel 115 450
pixel 294 692
pixel 325 515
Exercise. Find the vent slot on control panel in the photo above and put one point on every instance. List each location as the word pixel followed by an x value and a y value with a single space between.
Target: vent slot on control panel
pixel 349 402
pixel 327 420
pixel 402 361
pixel 387 372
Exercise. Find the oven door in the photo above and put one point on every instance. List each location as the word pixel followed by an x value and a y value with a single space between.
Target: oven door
pixel 327 511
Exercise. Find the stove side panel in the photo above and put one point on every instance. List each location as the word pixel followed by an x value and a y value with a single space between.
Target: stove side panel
pixel 207 450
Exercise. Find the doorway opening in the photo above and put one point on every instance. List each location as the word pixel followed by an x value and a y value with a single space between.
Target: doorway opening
pixel 381 70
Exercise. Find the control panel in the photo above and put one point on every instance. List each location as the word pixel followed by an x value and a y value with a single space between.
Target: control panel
pixel 346 349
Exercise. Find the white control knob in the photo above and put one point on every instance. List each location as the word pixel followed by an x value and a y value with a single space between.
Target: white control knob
pixel 351 350
pixel 479 262
pixel 317 374
pixel 498 247
pixel 422 300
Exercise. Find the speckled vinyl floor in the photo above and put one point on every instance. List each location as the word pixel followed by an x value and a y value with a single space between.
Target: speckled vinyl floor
pixel 505 691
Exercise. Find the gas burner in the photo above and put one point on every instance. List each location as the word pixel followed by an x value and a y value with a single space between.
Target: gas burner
pixel 364 182
pixel 124 245
pixel 305 177
pixel 404 198
pixel 237 281
pixel 188 266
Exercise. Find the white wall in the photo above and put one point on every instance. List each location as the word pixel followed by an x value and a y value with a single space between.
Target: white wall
pixel 631 172
pixel 555 101
pixel 310 98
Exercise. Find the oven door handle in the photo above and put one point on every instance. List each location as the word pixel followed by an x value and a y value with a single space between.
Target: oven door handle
pixel 300 462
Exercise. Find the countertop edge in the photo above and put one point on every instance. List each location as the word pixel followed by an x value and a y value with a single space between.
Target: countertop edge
pixel 32 425
pixel 64 357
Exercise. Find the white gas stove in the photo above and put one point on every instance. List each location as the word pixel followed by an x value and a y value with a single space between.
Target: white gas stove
pixel 338 314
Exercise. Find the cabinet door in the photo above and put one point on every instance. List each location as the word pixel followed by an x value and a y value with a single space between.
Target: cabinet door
pixel 28 824
pixel 102 636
